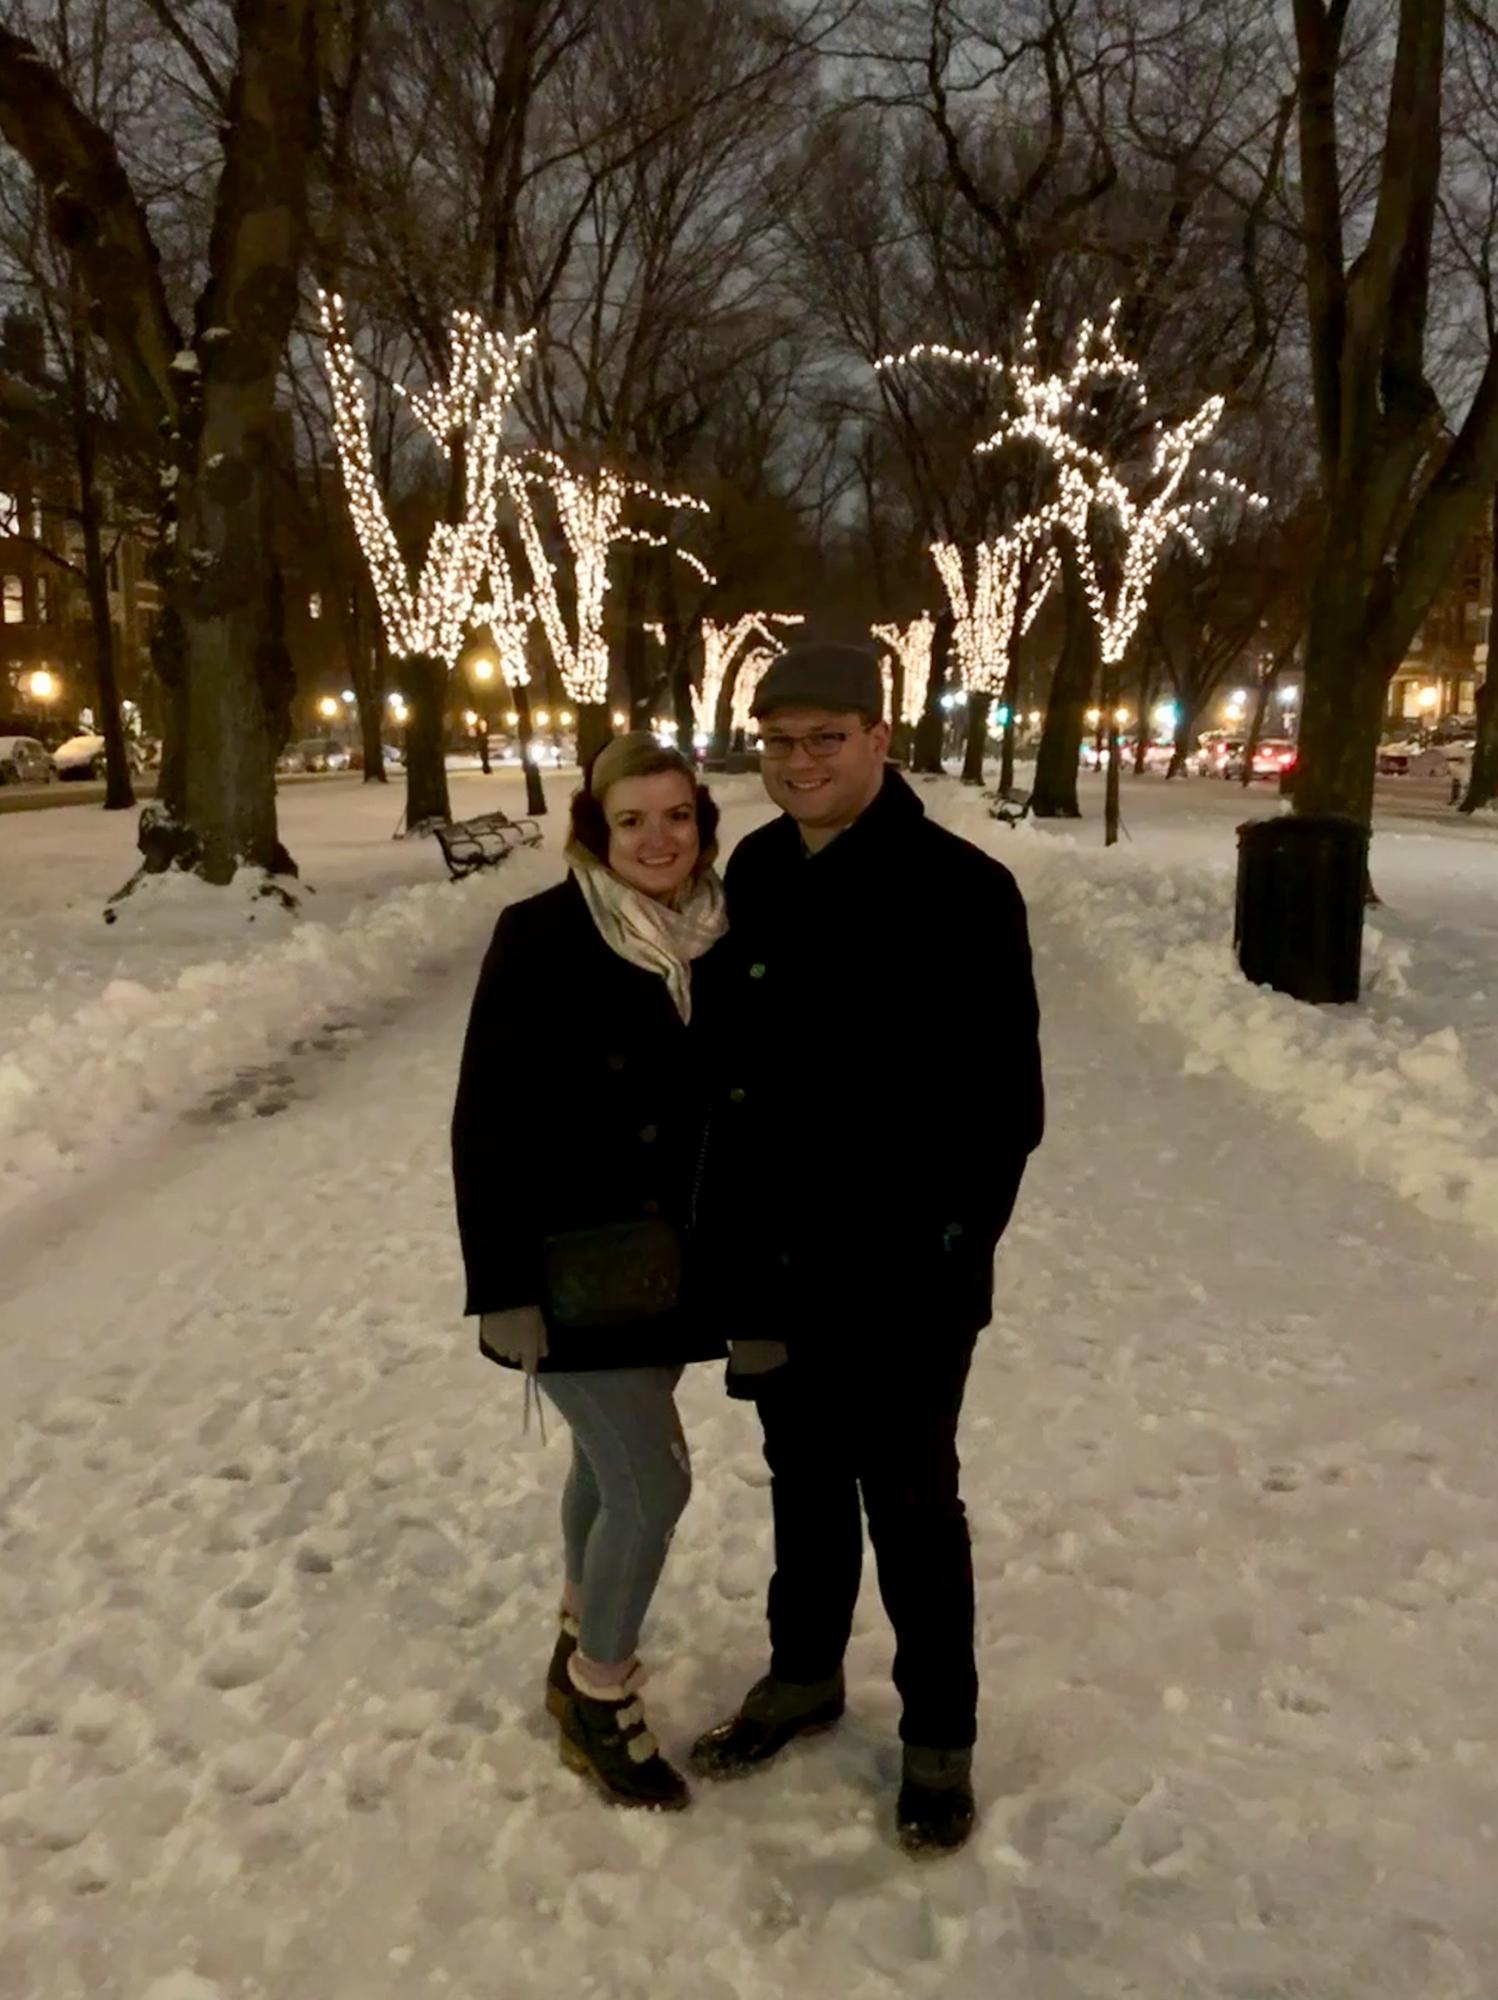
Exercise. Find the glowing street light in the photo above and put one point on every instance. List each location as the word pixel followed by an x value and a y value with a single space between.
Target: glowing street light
pixel 328 707
pixel 1289 696
pixel 470 717
pixel 566 718
pixel 512 719
pixel 482 670
pixel 1094 717
pixel 1121 717
pixel 543 719
pixel 1429 698
pixel 43 686
pixel 621 721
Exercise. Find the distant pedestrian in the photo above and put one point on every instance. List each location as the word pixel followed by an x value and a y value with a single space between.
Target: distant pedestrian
pixel 576 1146
pixel 875 1041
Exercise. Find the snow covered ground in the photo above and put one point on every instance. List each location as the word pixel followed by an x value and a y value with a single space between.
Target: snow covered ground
pixel 279 1568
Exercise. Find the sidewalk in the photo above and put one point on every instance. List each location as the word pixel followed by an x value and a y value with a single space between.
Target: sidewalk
pixel 280 1572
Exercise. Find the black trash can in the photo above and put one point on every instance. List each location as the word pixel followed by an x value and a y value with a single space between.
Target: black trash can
pixel 1299 924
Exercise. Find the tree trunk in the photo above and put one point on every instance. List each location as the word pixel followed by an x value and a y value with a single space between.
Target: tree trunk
pixel 119 792
pixel 365 671
pixel 535 792
pixel 1146 710
pixel 1006 757
pixel 1343 708
pixel 638 679
pixel 423 683
pixel 594 728
pixel 979 708
pixel 212 403
pixel 930 731
pixel 1482 788
pixel 1055 793
pixel 1185 725
pixel 1113 774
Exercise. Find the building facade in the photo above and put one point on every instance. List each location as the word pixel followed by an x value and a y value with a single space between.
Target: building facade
pixel 1438 682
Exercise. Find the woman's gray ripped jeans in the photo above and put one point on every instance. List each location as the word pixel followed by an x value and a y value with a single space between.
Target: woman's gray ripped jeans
pixel 630 1480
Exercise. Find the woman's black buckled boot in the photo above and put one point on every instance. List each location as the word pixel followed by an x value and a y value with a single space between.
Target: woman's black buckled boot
pixel 606 1739
pixel 935 1810
pixel 772 1714
pixel 558 1680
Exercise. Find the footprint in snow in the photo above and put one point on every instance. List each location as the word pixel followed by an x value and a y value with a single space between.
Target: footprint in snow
pixel 233 1667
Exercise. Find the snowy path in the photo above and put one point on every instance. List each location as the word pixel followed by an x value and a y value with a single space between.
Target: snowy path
pixel 278 1581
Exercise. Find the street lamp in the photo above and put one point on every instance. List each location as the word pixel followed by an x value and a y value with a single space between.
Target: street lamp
pixel 1094 717
pixel 349 697
pixel 1429 698
pixel 483 670
pixel 328 707
pixel 43 686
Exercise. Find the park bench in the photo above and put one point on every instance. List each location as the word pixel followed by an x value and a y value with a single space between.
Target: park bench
pixel 1011 810
pixel 484 841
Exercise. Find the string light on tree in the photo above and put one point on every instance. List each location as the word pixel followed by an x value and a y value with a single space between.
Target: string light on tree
pixel 720 645
pixel 1011 583
pixel 912 646
pixel 751 671
pixel 590 510
pixel 1051 412
pixel 428 615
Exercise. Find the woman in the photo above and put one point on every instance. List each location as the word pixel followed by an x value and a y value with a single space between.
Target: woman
pixel 577 1139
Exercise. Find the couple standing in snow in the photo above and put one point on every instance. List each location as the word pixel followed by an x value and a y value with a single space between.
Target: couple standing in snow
pixel 699 1118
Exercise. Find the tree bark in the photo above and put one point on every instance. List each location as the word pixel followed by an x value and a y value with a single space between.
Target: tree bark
pixel 1482 787
pixel 594 728
pixel 535 791
pixel 119 791
pixel 213 404
pixel 1006 756
pixel 930 731
pixel 979 708
pixel 423 683
pixel 1346 686
pixel 1055 793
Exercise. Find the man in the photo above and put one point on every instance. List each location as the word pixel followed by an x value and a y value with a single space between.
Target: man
pixel 875 1038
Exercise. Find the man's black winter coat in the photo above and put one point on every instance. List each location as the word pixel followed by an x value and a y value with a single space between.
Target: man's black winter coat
pixel 875 1051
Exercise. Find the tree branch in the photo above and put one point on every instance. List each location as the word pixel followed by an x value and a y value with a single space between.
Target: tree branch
pixel 95 218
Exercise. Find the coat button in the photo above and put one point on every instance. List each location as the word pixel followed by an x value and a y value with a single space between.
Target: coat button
pixel 736 1095
pixel 757 970
pixel 649 1134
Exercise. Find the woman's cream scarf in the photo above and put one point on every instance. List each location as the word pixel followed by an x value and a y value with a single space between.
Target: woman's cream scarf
pixel 662 937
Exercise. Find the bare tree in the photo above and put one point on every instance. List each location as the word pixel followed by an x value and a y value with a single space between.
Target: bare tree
pixel 1404 484
pixel 209 397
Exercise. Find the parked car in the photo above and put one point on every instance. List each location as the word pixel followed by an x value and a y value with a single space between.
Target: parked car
pixel 1419 760
pixel 1216 752
pixel 84 757
pixel 394 760
pixel 24 761
pixel 314 753
pixel 1274 756
pixel 1159 757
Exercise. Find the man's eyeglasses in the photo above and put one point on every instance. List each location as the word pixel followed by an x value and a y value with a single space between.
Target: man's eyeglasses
pixel 819 742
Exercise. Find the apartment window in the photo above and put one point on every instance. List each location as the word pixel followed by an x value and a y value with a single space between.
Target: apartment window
pixel 10 514
pixel 13 597
pixel 43 598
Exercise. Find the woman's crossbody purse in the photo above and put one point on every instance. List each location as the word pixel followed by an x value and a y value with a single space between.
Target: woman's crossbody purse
pixel 615 1275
